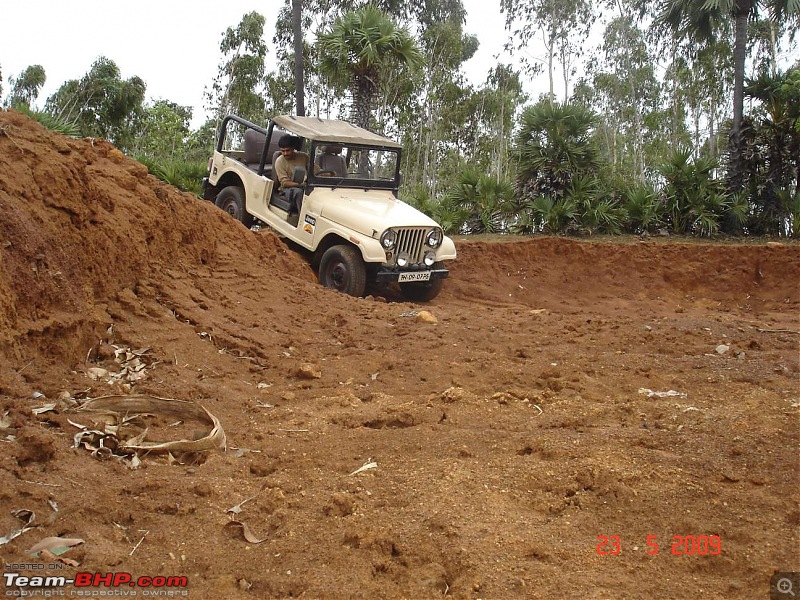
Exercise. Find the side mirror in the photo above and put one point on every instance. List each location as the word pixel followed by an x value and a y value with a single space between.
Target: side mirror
pixel 299 175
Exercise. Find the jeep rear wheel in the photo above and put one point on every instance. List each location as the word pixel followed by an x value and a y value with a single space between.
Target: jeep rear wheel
pixel 423 291
pixel 343 270
pixel 231 200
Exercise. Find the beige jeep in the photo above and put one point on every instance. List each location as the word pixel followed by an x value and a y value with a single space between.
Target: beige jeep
pixel 350 218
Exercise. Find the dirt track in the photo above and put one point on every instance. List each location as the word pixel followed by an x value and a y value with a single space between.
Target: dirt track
pixel 508 435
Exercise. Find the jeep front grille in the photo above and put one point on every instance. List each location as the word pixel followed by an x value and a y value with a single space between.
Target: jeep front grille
pixel 411 240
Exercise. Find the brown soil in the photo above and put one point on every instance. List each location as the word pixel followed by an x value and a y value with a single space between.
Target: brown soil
pixel 508 435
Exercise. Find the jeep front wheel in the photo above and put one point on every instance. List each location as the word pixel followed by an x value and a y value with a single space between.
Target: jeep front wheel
pixel 343 270
pixel 231 200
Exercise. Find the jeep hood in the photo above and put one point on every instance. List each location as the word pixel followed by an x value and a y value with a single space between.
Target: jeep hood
pixel 370 213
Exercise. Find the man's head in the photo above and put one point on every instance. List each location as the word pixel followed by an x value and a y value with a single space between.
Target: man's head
pixel 288 144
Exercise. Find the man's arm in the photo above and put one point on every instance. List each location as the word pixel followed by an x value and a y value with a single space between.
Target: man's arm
pixel 284 172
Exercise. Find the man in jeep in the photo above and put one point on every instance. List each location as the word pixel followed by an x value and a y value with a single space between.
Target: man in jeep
pixel 290 158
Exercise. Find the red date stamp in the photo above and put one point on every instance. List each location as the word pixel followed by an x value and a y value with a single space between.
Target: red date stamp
pixel 679 545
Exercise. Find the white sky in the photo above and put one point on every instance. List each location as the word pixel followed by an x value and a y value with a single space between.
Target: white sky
pixel 173 45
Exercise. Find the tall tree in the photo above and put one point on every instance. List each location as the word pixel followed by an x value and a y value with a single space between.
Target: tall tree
pixel 564 25
pixel 299 81
pixel 700 20
pixel 238 87
pixel 362 49
pixel 490 115
pixel 26 86
pixel 101 103
pixel 627 92
pixel 436 134
pixel 698 82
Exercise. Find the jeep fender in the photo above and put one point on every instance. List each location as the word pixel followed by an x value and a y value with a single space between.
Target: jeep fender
pixel 447 251
pixel 331 234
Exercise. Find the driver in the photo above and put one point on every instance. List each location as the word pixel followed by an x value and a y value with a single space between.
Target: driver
pixel 291 157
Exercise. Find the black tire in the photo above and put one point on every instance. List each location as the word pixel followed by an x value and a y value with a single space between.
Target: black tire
pixel 231 200
pixel 343 270
pixel 423 291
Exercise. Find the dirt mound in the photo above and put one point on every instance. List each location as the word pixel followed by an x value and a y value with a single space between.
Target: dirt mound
pixel 83 226
pixel 561 273
pixel 570 405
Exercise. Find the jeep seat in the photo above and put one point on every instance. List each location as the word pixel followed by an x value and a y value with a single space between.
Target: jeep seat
pixel 254 145
pixel 329 159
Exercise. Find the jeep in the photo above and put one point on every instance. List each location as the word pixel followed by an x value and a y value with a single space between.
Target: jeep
pixel 350 218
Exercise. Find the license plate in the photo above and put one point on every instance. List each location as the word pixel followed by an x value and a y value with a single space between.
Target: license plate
pixel 414 276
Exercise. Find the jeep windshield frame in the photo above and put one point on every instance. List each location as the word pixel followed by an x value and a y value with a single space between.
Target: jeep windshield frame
pixel 367 166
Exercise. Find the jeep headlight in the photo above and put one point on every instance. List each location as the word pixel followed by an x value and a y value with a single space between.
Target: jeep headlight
pixel 429 258
pixel 388 239
pixel 403 259
pixel 434 237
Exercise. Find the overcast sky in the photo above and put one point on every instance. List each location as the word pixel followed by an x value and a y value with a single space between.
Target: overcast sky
pixel 173 45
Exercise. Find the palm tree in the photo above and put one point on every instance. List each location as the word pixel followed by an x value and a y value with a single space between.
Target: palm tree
pixel 554 145
pixel 694 199
pixel 480 203
pixel 644 208
pixel 700 20
pixel 361 49
pixel 775 163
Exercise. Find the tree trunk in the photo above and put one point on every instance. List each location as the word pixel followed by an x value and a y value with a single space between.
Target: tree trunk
pixel 739 56
pixel 297 30
pixel 735 174
pixel 550 59
pixel 363 93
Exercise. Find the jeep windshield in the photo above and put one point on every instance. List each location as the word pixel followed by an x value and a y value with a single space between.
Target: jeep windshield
pixel 354 166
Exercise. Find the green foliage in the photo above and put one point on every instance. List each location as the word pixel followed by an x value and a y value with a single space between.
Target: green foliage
pixel 163 130
pixel 480 203
pixel 186 176
pixel 644 209
pixel 59 125
pixel 625 91
pixel 771 150
pixel 546 215
pixel 793 203
pixel 554 145
pixel 101 103
pixel 597 211
pixel 443 121
pixel 702 22
pixel 25 88
pixel 561 24
pixel 443 211
pixel 695 202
